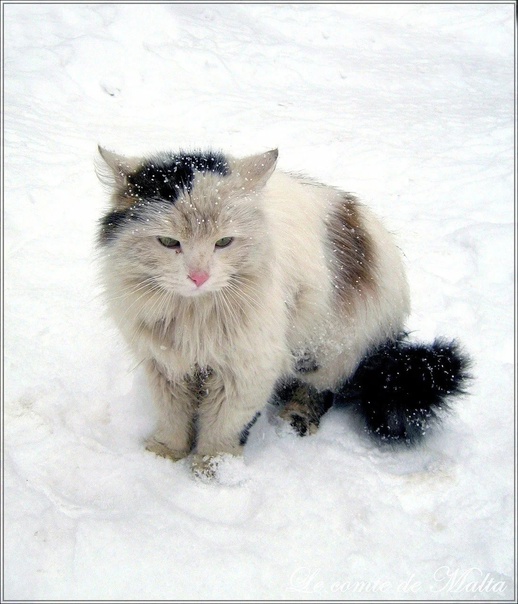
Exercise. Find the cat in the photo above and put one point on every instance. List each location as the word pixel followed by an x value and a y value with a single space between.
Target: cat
pixel 236 285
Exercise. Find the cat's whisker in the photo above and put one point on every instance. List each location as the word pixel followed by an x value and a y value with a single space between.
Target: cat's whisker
pixel 237 300
pixel 156 310
pixel 250 295
pixel 142 327
pixel 150 288
pixel 248 299
pixel 148 284
pixel 127 312
pixel 229 308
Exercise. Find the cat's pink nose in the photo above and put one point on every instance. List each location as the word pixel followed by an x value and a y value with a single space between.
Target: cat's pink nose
pixel 199 277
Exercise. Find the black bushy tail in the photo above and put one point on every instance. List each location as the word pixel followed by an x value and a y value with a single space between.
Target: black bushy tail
pixel 401 388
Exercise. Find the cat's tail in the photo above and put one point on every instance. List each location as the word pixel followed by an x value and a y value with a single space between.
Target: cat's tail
pixel 402 388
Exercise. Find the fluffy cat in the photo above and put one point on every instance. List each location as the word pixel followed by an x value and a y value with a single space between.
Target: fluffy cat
pixel 236 285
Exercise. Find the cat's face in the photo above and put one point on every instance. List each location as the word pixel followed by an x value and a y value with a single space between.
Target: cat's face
pixel 186 224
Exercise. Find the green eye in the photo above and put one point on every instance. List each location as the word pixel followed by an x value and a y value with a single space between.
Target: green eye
pixel 168 242
pixel 224 241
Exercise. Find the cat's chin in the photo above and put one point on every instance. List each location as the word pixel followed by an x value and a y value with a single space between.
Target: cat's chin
pixel 198 292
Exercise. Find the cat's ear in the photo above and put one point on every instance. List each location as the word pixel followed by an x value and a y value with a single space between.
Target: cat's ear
pixel 255 170
pixel 115 169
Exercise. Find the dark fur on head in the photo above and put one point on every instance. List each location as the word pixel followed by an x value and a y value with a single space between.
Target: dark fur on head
pixel 161 177
pixel 401 388
pixel 164 176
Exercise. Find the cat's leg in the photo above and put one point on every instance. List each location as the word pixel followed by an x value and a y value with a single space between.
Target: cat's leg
pixel 226 415
pixel 304 406
pixel 176 409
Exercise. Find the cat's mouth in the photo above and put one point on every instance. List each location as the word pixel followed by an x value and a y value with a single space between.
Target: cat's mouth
pixel 189 288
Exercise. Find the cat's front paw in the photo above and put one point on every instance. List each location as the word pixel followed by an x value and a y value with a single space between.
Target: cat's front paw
pixel 162 450
pixel 204 467
pixel 224 468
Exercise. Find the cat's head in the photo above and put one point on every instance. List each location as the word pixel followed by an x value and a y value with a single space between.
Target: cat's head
pixel 188 223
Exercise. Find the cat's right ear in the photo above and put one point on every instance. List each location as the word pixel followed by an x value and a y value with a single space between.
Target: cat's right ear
pixel 254 171
pixel 114 170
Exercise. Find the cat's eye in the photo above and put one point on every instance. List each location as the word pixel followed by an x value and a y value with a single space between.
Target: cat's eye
pixel 169 242
pixel 224 241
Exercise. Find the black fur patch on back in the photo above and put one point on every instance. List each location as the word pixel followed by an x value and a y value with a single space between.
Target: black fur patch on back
pixel 401 388
pixel 166 175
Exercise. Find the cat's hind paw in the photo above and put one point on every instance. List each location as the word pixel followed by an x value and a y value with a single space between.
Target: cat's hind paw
pixel 162 450
pixel 304 408
pixel 300 421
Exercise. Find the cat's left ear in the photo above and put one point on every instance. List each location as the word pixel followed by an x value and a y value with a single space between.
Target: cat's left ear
pixel 119 167
pixel 255 170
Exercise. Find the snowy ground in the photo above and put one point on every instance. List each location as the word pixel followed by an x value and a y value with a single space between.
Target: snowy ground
pixel 409 106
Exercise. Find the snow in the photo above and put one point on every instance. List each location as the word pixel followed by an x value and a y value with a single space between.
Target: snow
pixel 409 106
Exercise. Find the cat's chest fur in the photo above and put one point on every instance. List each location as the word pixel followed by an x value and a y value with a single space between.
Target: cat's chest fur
pixel 209 332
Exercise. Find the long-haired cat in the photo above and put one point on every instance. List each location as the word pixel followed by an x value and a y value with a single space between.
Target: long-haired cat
pixel 236 284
